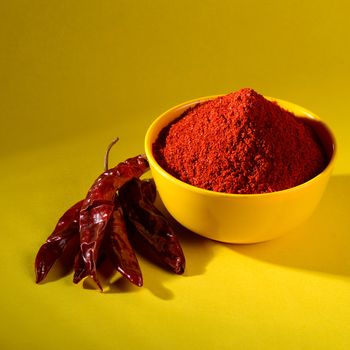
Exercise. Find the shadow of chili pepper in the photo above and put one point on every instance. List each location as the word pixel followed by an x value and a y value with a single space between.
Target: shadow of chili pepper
pixel 154 279
pixel 122 285
pixel 197 249
pixel 105 271
pixel 114 283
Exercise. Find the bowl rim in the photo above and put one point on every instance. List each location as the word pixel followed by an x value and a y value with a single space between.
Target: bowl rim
pixel 284 104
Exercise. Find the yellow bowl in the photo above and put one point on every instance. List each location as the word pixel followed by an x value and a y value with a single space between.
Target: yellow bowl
pixel 239 218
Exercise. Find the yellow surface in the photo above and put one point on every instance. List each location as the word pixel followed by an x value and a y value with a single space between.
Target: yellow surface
pixel 237 218
pixel 73 75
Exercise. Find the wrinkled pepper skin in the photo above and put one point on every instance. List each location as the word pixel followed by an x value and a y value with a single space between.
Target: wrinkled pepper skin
pixel 98 207
pixel 66 232
pixel 79 268
pixel 149 231
pixel 120 250
pixel 149 190
pixel 117 215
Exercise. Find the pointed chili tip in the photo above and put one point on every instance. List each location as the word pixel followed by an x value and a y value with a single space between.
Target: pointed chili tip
pixel 99 286
pixel 179 267
pixel 38 275
pixel 39 278
pixel 77 278
pixel 138 281
pixel 180 271
pixel 133 277
pixel 95 279
pixel 41 270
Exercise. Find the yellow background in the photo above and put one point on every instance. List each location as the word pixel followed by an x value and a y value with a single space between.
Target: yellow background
pixel 75 74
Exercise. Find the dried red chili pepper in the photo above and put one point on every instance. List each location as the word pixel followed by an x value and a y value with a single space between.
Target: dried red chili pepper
pixel 98 207
pixel 66 232
pixel 149 190
pixel 149 231
pixel 119 248
pixel 80 271
pixel 117 244
pixel 97 226
pixel 79 268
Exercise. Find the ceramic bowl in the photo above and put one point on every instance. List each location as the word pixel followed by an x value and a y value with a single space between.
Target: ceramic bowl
pixel 239 218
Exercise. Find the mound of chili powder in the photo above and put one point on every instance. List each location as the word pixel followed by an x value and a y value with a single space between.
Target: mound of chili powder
pixel 240 143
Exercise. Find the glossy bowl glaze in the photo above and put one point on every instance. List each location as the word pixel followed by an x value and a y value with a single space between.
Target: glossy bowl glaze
pixel 239 218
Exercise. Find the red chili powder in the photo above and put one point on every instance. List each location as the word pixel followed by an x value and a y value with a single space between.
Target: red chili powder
pixel 240 143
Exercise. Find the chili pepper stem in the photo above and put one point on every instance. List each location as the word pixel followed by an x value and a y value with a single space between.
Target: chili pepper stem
pixel 108 150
